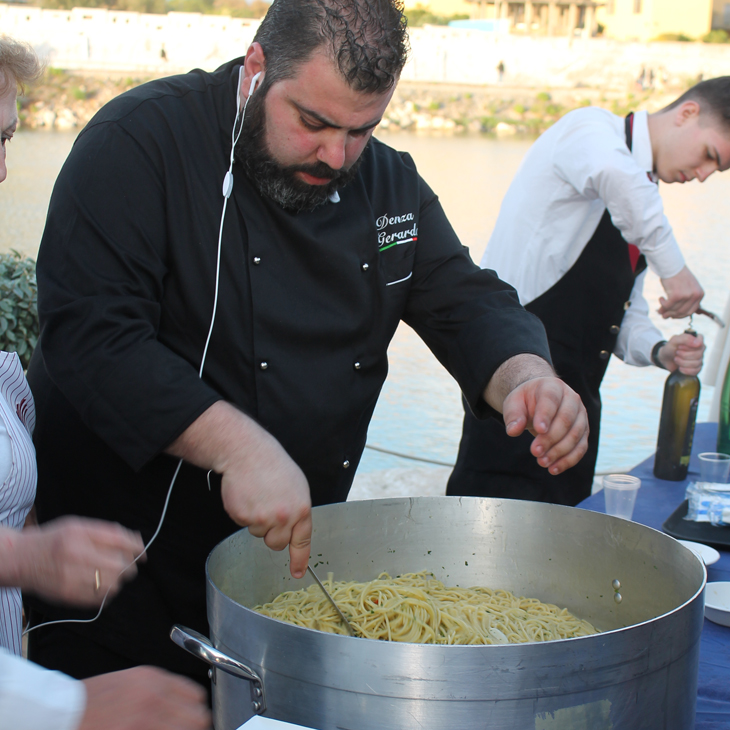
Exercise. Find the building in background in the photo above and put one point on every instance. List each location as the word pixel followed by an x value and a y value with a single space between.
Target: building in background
pixel 646 20
pixel 721 14
pixel 540 17
pixel 627 20
pixel 533 17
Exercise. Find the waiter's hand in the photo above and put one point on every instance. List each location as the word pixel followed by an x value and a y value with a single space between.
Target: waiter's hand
pixel 684 295
pixel 683 352
pixel 261 486
pixel 530 397
pixel 74 560
pixel 144 698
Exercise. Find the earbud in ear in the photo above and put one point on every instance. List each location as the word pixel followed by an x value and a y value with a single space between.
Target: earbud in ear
pixel 253 83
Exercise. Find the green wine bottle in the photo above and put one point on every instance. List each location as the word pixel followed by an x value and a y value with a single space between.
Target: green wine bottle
pixel 677 425
pixel 723 426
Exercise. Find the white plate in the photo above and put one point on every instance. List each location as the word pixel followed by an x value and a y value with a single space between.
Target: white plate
pixel 717 602
pixel 266 723
pixel 705 552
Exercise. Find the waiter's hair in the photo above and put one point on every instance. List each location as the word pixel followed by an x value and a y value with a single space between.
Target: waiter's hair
pixel 366 39
pixel 19 64
pixel 713 96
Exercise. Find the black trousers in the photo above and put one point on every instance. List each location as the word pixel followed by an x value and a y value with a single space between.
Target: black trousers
pixel 492 464
pixel 67 650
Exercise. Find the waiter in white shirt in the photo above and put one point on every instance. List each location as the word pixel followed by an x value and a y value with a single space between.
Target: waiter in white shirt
pixel 576 229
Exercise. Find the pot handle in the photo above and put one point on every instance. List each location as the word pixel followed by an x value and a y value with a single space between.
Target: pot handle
pixel 201 647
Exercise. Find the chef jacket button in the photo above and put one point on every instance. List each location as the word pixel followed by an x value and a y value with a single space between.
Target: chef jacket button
pixel 345 464
pixel 604 354
pixel 264 365
pixel 614 329
pixel 257 260
pixel 357 366
pixel 365 267
pixel 626 305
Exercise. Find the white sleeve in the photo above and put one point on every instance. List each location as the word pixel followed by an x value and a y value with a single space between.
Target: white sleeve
pixel 599 165
pixel 638 335
pixel 33 698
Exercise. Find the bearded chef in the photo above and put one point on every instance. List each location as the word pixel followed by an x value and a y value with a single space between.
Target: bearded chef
pixel 578 224
pixel 226 258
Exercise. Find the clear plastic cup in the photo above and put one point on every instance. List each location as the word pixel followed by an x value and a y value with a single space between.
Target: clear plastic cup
pixel 714 467
pixel 620 491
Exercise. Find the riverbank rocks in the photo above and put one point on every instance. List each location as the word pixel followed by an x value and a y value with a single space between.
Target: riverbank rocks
pixel 66 101
pixel 502 128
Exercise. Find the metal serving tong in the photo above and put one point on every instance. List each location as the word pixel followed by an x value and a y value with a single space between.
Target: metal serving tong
pixel 348 626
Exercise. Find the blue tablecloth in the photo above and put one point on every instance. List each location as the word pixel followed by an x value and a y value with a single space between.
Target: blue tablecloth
pixel 656 501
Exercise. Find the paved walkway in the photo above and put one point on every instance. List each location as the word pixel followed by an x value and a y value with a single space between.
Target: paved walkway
pixel 409 482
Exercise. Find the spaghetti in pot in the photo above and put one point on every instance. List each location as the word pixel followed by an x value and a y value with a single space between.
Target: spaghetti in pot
pixel 417 608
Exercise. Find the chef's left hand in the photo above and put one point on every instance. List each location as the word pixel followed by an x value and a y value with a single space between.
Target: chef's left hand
pixel 683 352
pixel 555 415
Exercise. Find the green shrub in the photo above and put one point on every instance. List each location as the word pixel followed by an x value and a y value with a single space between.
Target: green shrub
pixel 716 36
pixel 420 16
pixel 673 37
pixel 19 327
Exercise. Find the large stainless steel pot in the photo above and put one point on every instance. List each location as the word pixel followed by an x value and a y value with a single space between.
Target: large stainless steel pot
pixel 643 589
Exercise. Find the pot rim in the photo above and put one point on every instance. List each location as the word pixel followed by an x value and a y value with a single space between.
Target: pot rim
pixel 625 630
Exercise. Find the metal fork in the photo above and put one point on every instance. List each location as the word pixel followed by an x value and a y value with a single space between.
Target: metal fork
pixel 348 626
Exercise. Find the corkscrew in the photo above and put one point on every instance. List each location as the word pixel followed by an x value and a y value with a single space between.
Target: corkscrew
pixel 711 315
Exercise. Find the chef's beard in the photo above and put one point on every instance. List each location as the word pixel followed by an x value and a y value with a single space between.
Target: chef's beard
pixel 279 182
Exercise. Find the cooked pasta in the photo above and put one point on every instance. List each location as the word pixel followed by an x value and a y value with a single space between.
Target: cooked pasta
pixel 419 609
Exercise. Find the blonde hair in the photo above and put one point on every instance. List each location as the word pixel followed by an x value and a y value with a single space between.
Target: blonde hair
pixel 19 64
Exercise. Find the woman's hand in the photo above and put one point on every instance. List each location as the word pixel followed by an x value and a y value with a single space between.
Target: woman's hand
pixel 71 560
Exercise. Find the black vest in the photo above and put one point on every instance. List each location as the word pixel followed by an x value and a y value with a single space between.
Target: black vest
pixel 582 314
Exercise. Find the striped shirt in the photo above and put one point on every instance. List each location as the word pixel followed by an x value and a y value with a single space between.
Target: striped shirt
pixel 18 477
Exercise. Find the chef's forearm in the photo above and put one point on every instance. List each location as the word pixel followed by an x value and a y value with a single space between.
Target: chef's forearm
pixel 219 435
pixel 513 372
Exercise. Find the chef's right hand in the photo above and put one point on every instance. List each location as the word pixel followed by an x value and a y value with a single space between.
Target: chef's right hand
pixel 144 698
pixel 263 489
pixel 684 295
pixel 261 486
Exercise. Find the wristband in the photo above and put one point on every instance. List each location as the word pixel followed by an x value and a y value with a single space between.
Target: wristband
pixel 655 353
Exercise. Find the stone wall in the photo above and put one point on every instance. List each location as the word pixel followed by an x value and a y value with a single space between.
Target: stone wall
pixel 92 40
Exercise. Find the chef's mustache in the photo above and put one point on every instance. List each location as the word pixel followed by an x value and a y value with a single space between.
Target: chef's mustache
pixel 318 169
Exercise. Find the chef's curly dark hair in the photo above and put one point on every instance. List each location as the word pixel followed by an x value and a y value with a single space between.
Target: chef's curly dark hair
pixel 713 96
pixel 367 39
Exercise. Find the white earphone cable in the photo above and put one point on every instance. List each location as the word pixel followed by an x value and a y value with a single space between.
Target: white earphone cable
pixel 227 190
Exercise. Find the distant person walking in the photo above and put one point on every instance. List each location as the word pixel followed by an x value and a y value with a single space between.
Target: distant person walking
pixel 500 71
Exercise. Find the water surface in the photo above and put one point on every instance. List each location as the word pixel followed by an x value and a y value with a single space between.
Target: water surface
pixel 419 412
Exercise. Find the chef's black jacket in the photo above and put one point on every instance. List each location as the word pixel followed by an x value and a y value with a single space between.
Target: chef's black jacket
pixel 307 305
